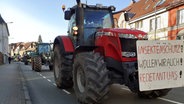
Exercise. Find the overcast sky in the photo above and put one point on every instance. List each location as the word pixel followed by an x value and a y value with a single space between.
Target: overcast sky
pixel 32 18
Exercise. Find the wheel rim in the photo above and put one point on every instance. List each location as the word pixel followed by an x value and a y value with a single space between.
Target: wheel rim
pixel 81 80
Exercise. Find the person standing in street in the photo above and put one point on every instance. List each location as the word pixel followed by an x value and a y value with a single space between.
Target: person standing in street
pixel 9 59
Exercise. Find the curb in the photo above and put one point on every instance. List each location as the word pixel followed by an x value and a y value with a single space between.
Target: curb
pixel 24 87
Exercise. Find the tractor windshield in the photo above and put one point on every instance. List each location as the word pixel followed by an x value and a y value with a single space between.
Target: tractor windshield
pixel 95 19
pixel 44 48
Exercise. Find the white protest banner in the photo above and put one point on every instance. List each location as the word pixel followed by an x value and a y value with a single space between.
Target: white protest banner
pixel 160 64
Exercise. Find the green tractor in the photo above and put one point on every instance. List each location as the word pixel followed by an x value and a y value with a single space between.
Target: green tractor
pixel 42 56
pixel 27 56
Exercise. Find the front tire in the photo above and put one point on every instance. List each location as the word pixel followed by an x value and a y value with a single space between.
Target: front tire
pixel 62 67
pixel 90 77
pixel 37 63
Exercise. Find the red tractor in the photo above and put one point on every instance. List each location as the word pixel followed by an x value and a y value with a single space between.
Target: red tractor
pixel 95 55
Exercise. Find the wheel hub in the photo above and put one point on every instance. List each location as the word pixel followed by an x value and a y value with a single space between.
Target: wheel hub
pixel 81 80
pixel 57 67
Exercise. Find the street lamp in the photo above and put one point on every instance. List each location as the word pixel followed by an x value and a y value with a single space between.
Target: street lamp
pixel 155 23
pixel 155 19
pixel 157 4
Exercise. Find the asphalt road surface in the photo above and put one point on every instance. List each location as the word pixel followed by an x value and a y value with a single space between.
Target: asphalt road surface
pixel 42 90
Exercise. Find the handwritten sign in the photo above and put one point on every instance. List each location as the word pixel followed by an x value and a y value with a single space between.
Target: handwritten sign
pixel 160 64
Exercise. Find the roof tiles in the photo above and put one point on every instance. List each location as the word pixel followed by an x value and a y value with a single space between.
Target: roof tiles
pixel 145 7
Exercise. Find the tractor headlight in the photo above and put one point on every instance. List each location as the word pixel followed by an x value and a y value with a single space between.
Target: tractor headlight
pixel 130 36
pixel 128 54
pixel 105 33
pixel 48 58
pixel 145 37
pixel 75 30
pixel 140 36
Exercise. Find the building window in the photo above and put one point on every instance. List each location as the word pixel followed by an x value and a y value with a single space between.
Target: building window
pixel 138 25
pixel 152 23
pixel 181 16
pixel 132 25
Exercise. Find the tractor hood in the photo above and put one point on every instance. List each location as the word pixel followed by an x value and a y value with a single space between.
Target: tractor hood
pixel 126 33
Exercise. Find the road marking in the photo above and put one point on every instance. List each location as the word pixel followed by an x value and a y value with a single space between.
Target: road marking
pixel 172 101
pixel 41 75
pixel 54 84
pixel 66 92
pixel 49 80
pixel 164 99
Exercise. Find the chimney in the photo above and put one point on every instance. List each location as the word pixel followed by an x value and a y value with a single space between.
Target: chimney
pixel 132 2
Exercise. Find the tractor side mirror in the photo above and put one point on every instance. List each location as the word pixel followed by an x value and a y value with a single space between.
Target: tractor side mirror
pixel 126 16
pixel 67 15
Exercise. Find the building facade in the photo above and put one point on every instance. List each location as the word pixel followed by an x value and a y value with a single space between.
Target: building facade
pixel 161 19
pixel 18 49
pixel 176 19
pixel 4 34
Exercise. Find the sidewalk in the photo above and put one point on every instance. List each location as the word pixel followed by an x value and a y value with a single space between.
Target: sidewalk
pixel 11 87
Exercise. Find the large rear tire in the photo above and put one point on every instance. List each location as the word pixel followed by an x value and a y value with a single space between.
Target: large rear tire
pixel 62 66
pixel 90 77
pixel 37 63
pixel 154 93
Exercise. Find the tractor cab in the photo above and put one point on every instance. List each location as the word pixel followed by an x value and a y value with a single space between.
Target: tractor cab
pixel 85 20
pixel 43 48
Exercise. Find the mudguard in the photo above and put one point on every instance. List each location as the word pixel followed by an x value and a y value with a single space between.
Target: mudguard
pixel 109 47
pixel 65 44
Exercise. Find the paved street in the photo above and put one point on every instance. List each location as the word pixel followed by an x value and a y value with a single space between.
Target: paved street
pixel 11 88
pixel 42 89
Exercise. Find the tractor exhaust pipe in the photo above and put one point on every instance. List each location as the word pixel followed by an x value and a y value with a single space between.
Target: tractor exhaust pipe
pixel 78 3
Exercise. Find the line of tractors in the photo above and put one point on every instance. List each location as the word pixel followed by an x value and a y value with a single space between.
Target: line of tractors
pixel 42 55
pixel 93 55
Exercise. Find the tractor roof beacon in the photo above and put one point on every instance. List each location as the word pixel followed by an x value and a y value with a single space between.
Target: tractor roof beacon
pixel 95 55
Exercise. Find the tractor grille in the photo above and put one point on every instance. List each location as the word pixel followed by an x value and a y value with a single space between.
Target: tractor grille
pixel 128 45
